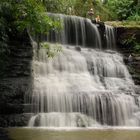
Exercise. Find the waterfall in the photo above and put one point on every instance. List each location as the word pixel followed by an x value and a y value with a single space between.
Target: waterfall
pixel 84 87
pixel 75 31
pixel 110 37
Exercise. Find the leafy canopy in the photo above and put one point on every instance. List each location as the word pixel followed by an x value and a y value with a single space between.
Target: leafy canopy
pixel 32 14
pixel 18 15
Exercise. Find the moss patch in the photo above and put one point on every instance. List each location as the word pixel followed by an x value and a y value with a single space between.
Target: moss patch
pixel 124 23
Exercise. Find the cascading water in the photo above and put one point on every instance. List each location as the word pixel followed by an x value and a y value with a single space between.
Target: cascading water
pixel 76 31
pixel 82 87
pixel 110 37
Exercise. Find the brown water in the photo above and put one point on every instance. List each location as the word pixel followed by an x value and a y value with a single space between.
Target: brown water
pixel 96 134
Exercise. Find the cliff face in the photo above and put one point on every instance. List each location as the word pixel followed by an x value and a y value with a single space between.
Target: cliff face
pixel 131 59
pixel 15 81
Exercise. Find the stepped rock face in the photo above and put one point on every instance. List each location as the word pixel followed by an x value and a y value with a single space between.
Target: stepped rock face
pixel 15 81
pixel 87 84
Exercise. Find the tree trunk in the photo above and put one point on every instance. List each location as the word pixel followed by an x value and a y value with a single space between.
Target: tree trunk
pixel 38 41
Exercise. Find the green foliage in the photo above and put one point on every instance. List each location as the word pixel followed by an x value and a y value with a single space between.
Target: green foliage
pixel 31 14
pixel 106 9
pixel 135 16
pixel 130 41
pixel 132 44
pixel 137 48
pixel 79 7
pixel 21 15
pixel 60 6
pixel 102 10
pixel 82 7
pixel 51 50
pixel 121 9
pixel 53 6
pixel 27 14
pixel 124 9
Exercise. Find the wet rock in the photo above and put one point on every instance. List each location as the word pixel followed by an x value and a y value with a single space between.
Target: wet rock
pixel 14 120
pixel 78 49
pixel 132 60
pixel 137 90
pixel 4 135
pixel 16 80
pixel 125 32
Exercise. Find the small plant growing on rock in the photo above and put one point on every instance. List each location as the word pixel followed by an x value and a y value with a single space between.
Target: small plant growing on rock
pixel 51 50
pixel 132 44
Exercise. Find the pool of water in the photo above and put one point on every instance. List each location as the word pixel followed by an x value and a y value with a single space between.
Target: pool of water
pixel 73 134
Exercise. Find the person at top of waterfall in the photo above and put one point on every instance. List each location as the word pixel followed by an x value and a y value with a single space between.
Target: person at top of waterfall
pixel 91 13
pixel 97 18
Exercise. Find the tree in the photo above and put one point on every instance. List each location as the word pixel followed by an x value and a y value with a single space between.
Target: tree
pixel 31 14
pixel 121 9
pixel 26 14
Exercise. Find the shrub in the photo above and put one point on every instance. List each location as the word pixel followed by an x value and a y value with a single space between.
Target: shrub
pixel 132 44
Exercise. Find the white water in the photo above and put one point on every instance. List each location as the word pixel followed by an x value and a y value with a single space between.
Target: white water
pixel 75 30
pixel 83 88
pixel 110 37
